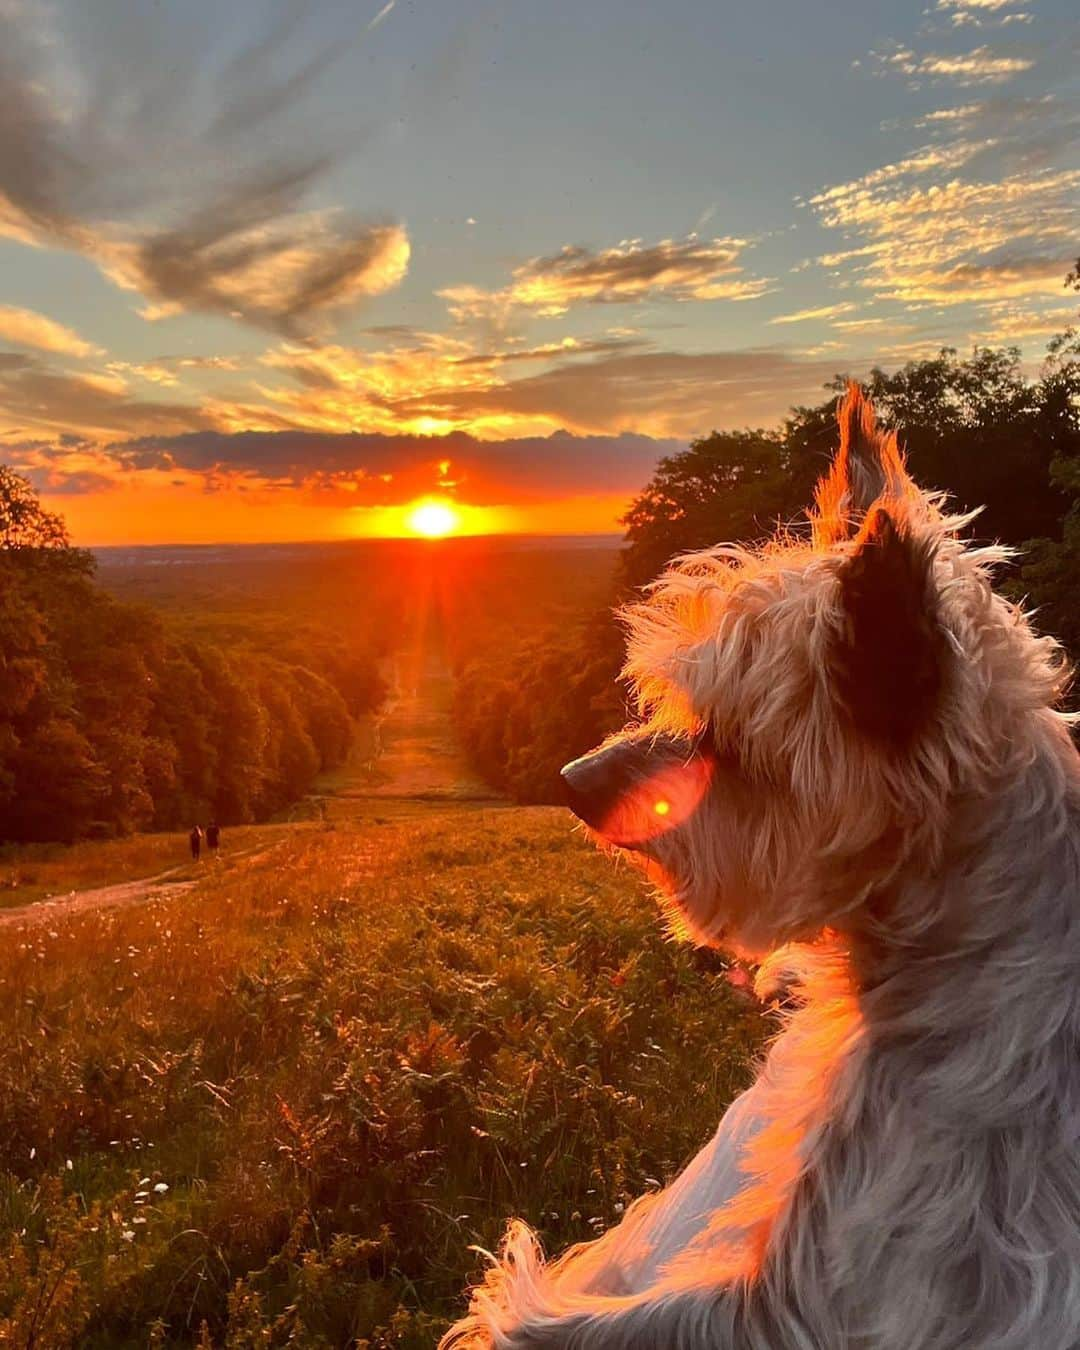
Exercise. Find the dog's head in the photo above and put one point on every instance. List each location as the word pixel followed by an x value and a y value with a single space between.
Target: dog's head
pixel 811 710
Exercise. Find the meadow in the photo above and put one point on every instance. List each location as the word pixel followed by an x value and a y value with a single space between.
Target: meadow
pixel 284 1107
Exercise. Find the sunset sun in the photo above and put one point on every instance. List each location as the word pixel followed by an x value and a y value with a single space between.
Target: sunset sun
pixel 433 519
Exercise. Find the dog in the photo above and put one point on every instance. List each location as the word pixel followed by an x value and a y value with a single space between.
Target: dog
pixel 850 767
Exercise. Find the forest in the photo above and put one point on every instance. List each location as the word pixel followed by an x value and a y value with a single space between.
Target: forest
pixel 114 717
pixel 138 697
pixel 976 427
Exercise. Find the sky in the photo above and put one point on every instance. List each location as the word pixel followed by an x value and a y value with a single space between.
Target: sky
pixel 281 270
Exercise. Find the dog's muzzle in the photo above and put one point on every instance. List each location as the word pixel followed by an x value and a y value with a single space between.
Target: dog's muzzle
pixel 637 788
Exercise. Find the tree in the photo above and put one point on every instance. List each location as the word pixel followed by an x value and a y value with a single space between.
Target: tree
pixel 730 485
pixel 1051 572
pixel 109 722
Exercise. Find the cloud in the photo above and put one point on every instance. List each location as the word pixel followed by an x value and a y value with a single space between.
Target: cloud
pixel 981 13
pixel 33 394
pixel 955 242
pixel 181 175
pixel 1008 323
pixel 986 210
pixel 382 470
pixel 980 66
pixel 26 328
pixel 660 393
pixel 823 312
pixel 567 346
pixel 678 269
pixel 601 386
pixel 166 370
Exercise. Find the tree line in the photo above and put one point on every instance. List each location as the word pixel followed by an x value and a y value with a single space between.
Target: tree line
pixel 974 426
pixel 113 720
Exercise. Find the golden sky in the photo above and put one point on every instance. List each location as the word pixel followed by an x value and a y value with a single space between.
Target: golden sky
pixel 283 279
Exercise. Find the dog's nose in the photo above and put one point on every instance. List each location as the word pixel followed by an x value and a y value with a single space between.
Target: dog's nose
pixel 637 788
pixel 595 784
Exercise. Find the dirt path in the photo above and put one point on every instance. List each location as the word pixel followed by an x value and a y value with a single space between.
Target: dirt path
pixel 415 753
pixel 118 896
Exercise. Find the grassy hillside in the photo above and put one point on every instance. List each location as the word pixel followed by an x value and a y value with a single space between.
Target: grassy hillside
pixel 279 1108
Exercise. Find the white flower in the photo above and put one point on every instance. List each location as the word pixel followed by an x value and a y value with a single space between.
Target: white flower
pixel 161 1187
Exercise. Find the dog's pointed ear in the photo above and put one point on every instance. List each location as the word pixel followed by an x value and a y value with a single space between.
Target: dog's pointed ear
pixel 868 466
pixel 889 657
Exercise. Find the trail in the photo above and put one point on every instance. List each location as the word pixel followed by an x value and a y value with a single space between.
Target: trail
pixel 117 896
pixel 413 757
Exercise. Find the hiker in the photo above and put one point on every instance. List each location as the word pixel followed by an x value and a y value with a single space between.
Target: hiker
pixel 195 840
pixel 213 836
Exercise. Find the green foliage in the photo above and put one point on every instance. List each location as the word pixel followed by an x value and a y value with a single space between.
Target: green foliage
pixel 517 731
pixel 1051 572
pixel 740 481
pixel 112 719
pixel 25 526
pixel 293 1098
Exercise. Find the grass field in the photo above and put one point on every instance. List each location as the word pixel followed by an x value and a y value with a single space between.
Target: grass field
pixel 33 872
pixel 278 1109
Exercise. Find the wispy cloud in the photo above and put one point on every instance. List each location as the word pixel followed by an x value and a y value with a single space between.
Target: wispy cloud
pixel 983 65
pixel 27 328
pixel 182 176
pixel 986 211
pixel 982 13
pixel 677 269
pixel 821 312
pixel 35 395
pixel 382 14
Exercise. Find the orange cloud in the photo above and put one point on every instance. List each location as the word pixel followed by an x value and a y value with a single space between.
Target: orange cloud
pixel 686 269
pixel 33 394
pixel 822 312
pixel 27 328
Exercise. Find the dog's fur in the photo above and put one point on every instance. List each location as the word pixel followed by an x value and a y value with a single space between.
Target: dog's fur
pixel 892 823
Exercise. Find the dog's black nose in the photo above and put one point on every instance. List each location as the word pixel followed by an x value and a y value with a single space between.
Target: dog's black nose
pixel 636 788
pixel 595 784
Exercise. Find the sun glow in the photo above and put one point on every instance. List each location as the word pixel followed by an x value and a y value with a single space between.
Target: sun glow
pixel 433 518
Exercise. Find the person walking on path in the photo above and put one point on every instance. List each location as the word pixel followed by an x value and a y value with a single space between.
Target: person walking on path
pixel 195 840
pixel 213 837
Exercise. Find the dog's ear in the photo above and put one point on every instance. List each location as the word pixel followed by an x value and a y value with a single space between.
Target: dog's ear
pixel 868 467
pixel 889 657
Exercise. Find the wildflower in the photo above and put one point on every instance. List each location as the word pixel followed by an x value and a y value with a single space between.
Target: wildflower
pixel 161 1187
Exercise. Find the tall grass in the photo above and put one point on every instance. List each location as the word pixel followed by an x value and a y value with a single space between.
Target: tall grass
pixel 281 1108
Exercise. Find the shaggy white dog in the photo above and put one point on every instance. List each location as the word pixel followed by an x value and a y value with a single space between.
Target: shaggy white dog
pixel 849 768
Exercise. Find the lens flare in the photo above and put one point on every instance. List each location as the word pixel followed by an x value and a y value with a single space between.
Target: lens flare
pixel 663 801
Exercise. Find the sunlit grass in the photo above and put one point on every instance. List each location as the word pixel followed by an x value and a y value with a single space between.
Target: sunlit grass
pixel 284 1104
pixel 33 872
